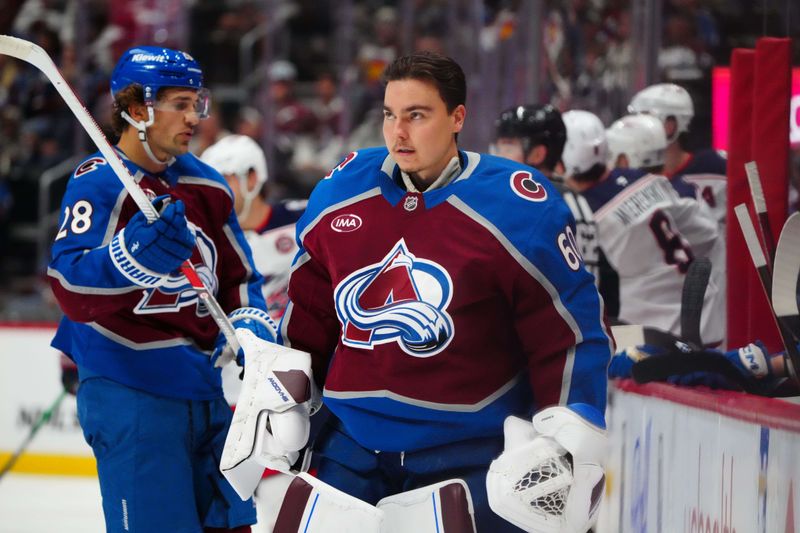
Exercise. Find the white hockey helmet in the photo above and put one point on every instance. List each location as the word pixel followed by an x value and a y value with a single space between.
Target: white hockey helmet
pixel 586 143
pixel 640 137
pixel 665 100
pixel 237 155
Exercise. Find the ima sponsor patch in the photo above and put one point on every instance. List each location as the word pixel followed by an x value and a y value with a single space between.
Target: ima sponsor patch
pixel 346 223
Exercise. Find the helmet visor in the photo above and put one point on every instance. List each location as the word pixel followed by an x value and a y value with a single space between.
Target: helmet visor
pixel 199 102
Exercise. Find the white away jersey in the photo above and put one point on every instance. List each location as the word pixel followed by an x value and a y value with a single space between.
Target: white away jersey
pixel 650 236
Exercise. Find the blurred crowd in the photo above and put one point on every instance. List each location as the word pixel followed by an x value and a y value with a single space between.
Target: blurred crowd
pixel 302 77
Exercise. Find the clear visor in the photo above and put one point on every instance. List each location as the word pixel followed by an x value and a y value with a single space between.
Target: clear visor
pixel 198 102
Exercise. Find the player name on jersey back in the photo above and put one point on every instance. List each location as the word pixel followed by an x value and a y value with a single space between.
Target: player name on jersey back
pixel 639 202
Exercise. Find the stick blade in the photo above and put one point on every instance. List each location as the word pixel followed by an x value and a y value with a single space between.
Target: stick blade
pixel 21 49
pixel 786 273
pixel 694 291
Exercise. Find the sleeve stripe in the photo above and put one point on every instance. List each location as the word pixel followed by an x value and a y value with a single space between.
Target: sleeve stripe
pixel 284 325
pixel 300 261
pixel 113 217
pixel 566 377
pixel 152 345
pixel 81 289
pixel 458 408
pixel 531 269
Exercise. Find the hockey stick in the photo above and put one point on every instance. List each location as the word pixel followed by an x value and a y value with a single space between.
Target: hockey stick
pixel 36 56
pixel 760 205
pixel 663 367
pixel 694 290
pixel 792 358
pixel 43 418
pixel 785 274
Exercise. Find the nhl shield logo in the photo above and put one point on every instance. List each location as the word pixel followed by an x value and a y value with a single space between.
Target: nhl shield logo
pixel 411 203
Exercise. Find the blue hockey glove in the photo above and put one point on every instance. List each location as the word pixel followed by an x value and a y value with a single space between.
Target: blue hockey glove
pixel 250 318
pixel 145 252
pixel 751 361
pixel 744 368
pixel 622 363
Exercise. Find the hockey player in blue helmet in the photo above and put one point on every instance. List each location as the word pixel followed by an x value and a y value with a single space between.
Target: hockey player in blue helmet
pixel 150 400
pixel 142 75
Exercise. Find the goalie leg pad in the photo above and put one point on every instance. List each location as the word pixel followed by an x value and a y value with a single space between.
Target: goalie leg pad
pixel 445 507
pixel 312 506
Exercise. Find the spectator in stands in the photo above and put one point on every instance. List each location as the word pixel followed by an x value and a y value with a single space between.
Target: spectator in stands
pixel 379 48
pixel 327 105
pixel 294 127
pixel 292 117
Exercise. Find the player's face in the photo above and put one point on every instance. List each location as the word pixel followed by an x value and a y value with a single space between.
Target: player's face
pixel 510 148
pixel 418 130
pixel 176 118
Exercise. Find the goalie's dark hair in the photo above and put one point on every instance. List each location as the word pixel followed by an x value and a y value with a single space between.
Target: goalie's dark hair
pixel 442 71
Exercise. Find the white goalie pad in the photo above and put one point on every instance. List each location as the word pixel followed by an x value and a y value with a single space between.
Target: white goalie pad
pixel 271 421
pixel 550 477
pixel 444 507
pixel 312 506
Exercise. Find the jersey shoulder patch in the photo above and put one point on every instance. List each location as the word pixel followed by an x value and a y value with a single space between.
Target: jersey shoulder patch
pixel 90 165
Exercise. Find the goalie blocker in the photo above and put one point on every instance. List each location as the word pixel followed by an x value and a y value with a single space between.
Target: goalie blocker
pixel 271 422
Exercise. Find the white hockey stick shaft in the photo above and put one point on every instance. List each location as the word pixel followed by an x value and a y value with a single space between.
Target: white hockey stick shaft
pixel 760 205
pixel 792 358
pixel 36 56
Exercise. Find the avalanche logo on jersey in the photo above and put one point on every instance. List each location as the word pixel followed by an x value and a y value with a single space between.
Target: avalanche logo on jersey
pixel 89 165
pixel 524 186
pixel 402 299
pixel 176 292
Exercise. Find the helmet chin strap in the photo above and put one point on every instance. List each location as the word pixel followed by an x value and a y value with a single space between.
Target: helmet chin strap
pixel 141 127
pixel 248 196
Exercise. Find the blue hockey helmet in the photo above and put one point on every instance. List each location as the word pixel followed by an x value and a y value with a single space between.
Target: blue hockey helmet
pixel 154 67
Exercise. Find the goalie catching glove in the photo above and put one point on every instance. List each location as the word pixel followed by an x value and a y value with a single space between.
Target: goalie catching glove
pixel 550 476
pixel 271 422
